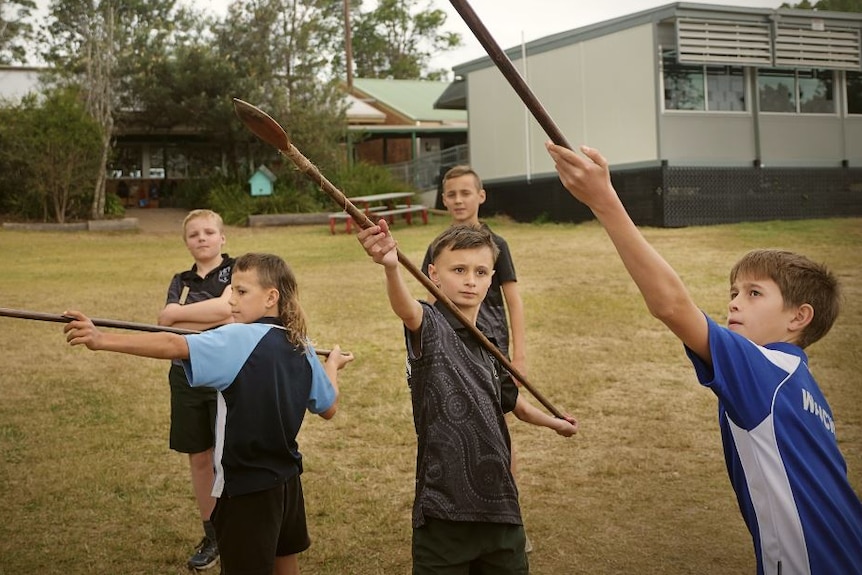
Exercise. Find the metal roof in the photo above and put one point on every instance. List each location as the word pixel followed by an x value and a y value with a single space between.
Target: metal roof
pixel 454 97
pixel 411 99
pixel 359 112
pixel 658 14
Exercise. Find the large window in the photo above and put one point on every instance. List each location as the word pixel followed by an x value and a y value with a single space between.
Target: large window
pixel 854 92
pixel 705 88
pixel 796 91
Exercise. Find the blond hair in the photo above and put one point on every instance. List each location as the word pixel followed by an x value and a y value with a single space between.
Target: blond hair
pixel 195 214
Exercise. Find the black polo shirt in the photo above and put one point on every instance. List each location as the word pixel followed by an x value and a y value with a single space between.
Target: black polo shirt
pixel 200 288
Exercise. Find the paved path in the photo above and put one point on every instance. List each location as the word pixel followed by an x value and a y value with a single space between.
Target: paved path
pixel 159 220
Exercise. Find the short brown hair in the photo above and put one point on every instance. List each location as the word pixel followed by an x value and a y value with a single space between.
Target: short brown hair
pixel 800 281
pixel 464 237
pixel 458 171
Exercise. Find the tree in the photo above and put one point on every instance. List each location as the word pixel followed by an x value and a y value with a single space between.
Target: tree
pixel 282 51
pixel 15 29
pixel 98 45
pixel 48 156
pixel 828 5
pixel 398 39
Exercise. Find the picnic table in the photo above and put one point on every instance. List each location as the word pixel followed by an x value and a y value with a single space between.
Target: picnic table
pixel 381 206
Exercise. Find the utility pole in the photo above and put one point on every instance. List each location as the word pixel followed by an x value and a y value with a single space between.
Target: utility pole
pixel 348 45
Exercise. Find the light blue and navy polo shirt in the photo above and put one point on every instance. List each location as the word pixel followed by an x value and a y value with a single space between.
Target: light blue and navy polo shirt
pixel 265 385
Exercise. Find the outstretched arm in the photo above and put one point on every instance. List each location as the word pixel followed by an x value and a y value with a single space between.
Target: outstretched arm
pixel 159 345
pixel 588 179
pixel 382 247
pixel 527 412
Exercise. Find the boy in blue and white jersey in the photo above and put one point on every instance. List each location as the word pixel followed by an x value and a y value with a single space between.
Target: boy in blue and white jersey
pixel 267 376
pixel 777 428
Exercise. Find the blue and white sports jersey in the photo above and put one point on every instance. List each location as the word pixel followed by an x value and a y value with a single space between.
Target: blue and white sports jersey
pixel 264 387
pixel 782 457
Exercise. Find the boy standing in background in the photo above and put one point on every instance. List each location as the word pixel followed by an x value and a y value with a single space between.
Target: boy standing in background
pixel 198 299
pixel 462 195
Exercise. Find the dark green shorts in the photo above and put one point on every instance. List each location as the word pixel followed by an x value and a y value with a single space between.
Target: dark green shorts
pixel 443 547
pixel 193 413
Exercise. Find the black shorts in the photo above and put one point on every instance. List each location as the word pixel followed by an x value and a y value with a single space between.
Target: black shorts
pixel 253 529
pixel 193 414
pixel 443 547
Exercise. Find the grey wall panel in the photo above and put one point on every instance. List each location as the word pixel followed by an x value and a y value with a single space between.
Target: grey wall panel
pixel 813 140
pixel 600 92
pixel 853 139
pixel 708 139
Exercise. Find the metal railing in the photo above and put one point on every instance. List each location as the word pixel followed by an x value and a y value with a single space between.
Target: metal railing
pixel 423 173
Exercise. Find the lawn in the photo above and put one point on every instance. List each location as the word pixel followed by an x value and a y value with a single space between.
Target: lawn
pixel 90 486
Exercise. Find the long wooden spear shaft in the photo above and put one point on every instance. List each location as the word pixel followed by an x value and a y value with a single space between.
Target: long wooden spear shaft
pixel 268 130
pixel 119 324
pixel 509 72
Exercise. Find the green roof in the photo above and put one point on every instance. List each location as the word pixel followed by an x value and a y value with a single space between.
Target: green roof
pixel 413 99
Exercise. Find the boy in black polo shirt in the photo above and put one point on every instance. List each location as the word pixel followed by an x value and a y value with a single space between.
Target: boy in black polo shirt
pixel 466 516
pixel 198 299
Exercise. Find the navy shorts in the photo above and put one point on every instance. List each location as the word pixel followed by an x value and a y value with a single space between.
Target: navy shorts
pixel 253 529
pixel 193 414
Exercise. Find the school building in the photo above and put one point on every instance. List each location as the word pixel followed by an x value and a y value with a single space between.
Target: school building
pixel 707 114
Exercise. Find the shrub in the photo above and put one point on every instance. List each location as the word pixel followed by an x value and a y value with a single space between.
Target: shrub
pixel 49 157
pixel 291 194
pixel 234 202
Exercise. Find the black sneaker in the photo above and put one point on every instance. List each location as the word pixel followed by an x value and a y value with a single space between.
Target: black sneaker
pixel 206 555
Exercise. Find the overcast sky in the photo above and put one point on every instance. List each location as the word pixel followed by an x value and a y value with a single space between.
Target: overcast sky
pixel 509 20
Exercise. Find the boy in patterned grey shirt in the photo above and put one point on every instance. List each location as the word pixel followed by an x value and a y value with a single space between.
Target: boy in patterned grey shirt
pixel 466 517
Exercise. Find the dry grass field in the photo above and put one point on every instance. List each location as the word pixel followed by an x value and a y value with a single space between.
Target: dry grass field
pixel 88 484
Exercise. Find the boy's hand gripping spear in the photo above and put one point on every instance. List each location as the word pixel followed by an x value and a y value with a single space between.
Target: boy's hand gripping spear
pixel 268 130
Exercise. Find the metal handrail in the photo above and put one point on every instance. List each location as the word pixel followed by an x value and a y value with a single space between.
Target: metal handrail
pixel 423 173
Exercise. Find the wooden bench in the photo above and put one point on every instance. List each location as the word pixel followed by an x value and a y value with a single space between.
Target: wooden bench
pixel 407 211
pixel 381 211
pixel 348 227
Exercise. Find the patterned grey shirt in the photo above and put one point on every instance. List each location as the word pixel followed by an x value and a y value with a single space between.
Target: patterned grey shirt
pixel 460 394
